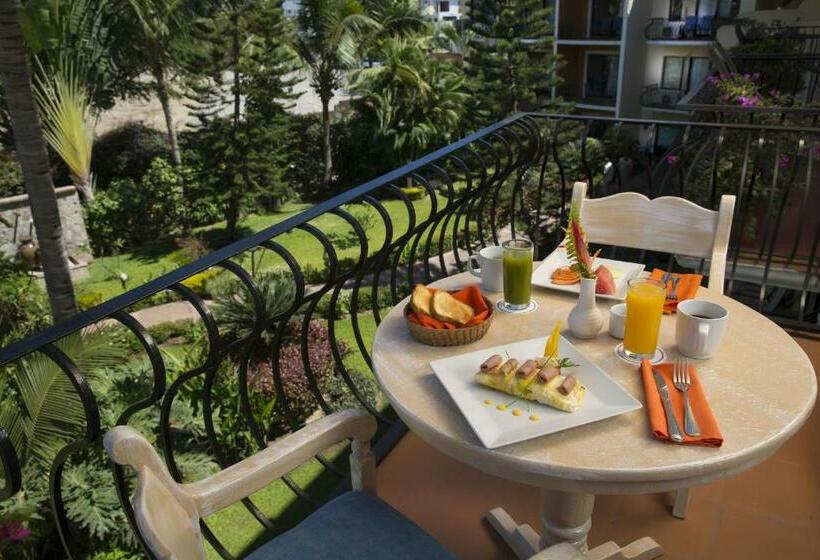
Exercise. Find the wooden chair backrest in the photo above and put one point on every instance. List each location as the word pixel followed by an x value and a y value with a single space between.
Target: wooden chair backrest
pixel 667 224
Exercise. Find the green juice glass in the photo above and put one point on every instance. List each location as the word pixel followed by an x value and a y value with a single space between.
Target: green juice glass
pixel 517 262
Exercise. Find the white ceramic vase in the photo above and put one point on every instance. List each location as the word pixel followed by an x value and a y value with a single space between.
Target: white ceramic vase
pixel 585 320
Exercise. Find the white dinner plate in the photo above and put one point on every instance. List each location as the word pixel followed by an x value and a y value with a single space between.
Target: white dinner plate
pixel 604 397
pixel 622 272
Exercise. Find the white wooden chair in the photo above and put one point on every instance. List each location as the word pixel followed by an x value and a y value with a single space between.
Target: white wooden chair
pixel 667 224
pixel 355 525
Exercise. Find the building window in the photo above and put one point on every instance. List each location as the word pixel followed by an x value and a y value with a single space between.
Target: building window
pixel 602 75
pixel 675 10
pixel 672 77
pixel 699 68
pixel 444 6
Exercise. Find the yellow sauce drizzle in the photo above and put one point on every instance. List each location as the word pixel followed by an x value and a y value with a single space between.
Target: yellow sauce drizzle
pixel 516 412
pixel 488 401
pixel 502 407
pixel 535 418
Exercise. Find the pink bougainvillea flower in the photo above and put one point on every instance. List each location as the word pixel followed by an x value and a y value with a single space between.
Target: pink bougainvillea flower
pixel 14 531
pixel 783 161
pixel 774 93
pixel 672 159
pixel 713 79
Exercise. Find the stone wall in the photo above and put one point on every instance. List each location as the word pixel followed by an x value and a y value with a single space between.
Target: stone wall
pixel 15 222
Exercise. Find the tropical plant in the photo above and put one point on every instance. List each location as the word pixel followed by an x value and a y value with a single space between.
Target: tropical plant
pixel 33 157
pixel 330 38
pixel 42 412
pixel 509 58
pixel 235 310
pixel 68 122
pixel 418 100
pixel 92 35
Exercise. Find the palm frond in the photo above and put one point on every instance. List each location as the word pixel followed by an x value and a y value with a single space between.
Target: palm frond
pixel 67 118
pixel 51 410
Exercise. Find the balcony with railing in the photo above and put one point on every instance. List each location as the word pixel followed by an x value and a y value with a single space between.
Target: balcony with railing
pixel 662 98
pixel 690 28
pixel 513 178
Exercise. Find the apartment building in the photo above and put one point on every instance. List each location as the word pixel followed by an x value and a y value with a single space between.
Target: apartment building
pixel 441 10
pixel 638 58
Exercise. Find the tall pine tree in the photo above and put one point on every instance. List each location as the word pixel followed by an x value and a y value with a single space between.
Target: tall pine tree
pixel 509 59
pixel 245 70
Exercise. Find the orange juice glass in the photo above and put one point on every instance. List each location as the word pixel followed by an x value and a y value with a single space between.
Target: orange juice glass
pixel 644 310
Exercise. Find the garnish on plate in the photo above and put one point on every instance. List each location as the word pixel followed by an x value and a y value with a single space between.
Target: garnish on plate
pixel 583 264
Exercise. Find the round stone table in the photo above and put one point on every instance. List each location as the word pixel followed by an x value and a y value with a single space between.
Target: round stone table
pixel 760 385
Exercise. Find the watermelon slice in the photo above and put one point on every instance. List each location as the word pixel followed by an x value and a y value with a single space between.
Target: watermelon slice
pixel 605 283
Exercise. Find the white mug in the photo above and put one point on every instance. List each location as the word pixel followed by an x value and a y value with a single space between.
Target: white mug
pixel 699 327
pixel 617 320
pixel 490 268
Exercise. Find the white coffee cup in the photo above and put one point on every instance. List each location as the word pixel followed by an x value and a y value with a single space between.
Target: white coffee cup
pixel 617 320
pixel 699 327
pixel 488 264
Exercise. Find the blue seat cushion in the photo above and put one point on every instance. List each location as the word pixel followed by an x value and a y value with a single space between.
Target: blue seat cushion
pixel 355 525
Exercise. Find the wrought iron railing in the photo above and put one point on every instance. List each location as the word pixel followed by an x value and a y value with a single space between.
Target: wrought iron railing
pixel 513 178
pixel 690 28
pixel 655 96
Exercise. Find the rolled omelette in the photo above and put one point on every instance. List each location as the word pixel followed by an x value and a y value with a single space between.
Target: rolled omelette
pixel 538 380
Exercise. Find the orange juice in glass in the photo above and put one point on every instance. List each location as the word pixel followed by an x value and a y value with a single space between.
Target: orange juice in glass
pixel 644 310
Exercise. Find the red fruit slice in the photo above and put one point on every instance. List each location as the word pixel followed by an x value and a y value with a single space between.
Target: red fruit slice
pixel 605 283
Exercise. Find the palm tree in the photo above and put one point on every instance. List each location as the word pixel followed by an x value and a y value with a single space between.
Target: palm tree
pixel 417 99
pixel 329 41
pixel 157 25
pixel 33 157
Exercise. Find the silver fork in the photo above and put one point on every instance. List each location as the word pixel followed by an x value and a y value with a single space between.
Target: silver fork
pixel 672 294
pixel 682 381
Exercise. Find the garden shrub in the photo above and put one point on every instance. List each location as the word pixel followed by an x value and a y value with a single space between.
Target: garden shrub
pixel 190 249
pixel 11 176
pixel 162 332
pixel 199 281
pixel 23 305
pixel 89 300
pixel 126 152
pixel 414 193
pixel 300 399
pixel 129 212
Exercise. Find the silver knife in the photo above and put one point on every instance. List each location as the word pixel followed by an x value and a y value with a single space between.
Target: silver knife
pixel 671 422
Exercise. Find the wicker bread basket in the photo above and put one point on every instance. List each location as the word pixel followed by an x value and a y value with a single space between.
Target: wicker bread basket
pixel 449 337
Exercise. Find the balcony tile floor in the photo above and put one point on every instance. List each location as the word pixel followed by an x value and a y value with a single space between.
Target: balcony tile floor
pixel 771 511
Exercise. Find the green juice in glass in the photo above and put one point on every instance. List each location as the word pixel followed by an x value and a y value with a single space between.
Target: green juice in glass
pixel 517 273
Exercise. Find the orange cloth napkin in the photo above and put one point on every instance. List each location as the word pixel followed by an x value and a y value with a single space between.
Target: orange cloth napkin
pixel 470 295
pixel 710 435
pixel 687 288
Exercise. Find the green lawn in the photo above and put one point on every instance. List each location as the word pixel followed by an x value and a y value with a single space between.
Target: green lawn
pixel 152 260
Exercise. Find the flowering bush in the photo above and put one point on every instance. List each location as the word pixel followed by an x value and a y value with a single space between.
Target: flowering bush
pixel 747 90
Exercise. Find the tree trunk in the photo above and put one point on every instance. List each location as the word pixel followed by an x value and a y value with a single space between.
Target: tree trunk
pixel 165 101
pixel 326 148
pixel 33 157
pixel 234 198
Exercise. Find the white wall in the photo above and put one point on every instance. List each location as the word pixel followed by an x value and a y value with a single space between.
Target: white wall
pixel 633 52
